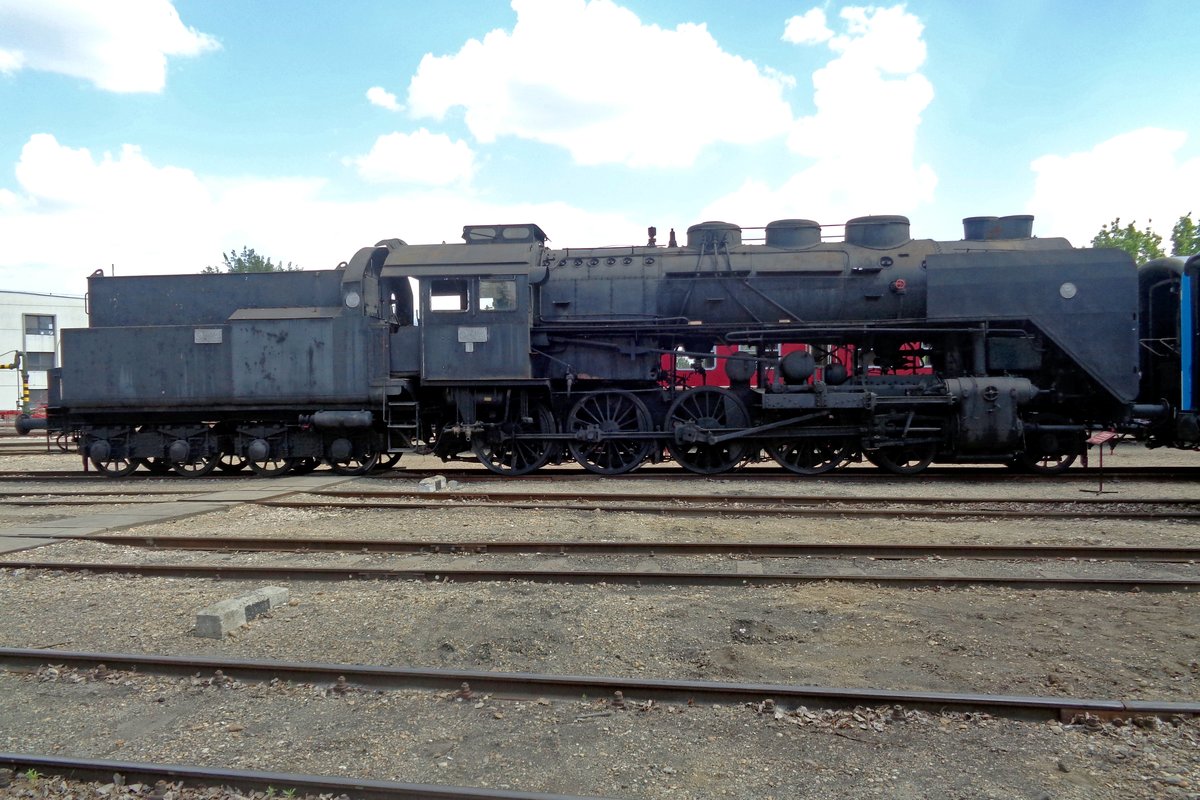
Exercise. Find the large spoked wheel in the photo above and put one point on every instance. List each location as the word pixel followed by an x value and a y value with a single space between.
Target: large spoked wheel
pixel 1049 452
pixel 387 461
pixel 500 450
pixel 114 467
pixel 196 467
pixel 1043 463
pixel 155 465
pixel 270 467
pixel 354 465
pixel 230 462
pixel 611 413
pixel 811 456
pixel 693 416
pixel 904 459
pixel 305 465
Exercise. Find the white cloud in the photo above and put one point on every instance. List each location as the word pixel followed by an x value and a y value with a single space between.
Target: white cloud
pixel 378 96
pixel 146 218
pixel 871 96
pixel 807 28
pixel 429 159
pixel 11 61
pixel 123 207
pixel 1137 176
pixel 858 149
pixel 55 176
pixel 592 78
pixel 119 47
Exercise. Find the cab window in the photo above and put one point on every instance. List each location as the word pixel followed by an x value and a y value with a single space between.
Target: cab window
pixel 497 295
pixel 448 294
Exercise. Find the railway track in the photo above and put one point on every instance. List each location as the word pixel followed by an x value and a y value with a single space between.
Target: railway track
pixel 988 474
pixel 640 548
pixel 31 451
pixel 591 497
pixel 761 472
pixel 625 694
pixel 709 505
pixel 530 686
pixel 29 446
pixel 673 504
pixel 297 572
pixel 103 770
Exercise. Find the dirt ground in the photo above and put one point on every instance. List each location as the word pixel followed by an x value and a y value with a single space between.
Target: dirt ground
pixel 1073 643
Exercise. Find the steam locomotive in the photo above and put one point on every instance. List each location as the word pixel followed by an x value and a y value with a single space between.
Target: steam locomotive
pixel 812 349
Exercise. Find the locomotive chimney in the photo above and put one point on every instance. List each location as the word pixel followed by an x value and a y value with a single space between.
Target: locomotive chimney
pixel 986 229
pixel 878 232
pixel 1016 226
pixel 981 229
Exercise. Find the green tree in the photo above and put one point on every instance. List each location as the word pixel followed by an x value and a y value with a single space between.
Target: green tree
pixel 1144 245
pixel 249 261
pixel 1185 237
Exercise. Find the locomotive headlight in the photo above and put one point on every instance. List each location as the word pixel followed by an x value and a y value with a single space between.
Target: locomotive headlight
pixel 353 298
pixel 1068 290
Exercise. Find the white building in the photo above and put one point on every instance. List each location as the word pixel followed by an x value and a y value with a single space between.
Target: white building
pixel 31 323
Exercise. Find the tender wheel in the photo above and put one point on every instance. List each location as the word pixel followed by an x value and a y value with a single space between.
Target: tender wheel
pixel 499 450
pixel 693 416
pixel 355 465
pixel 387 461
pixel 114 467
pixel 811 456
pixel 905 459
pixel 610 413
pixel 303 466
pixel 229 462
pixel 197 467
pixel 155 466
pixel 270 467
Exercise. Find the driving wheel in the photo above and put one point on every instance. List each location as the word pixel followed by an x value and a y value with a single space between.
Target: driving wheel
pixel 597 420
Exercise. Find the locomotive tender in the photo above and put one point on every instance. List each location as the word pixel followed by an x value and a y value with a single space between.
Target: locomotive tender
pixel 1000 347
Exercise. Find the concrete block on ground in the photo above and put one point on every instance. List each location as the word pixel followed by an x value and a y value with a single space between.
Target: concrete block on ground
pixel 14 544
pixel 434 483
pixel 220 618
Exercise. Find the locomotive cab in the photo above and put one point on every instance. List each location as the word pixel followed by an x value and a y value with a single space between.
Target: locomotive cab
pixel 475 328
pixel 475 308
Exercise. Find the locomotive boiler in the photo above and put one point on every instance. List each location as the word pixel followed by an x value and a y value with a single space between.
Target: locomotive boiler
pixel 999 347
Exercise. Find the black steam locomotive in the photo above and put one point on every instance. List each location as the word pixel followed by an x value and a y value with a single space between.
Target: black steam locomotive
pixel 1000 347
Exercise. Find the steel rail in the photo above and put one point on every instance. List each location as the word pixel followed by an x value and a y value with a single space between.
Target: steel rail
pixel 728 509
pixel 254 780
pixel 661 504
pixel 592 576
pixel 668 471
pixel 639 548
pixel 767 499
pixel 27 503
pixel 823 500
pixel 989 472
pixel 182 491
pixel 525 685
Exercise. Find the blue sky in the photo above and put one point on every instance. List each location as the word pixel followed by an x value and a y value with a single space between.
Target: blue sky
pixel 154 136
